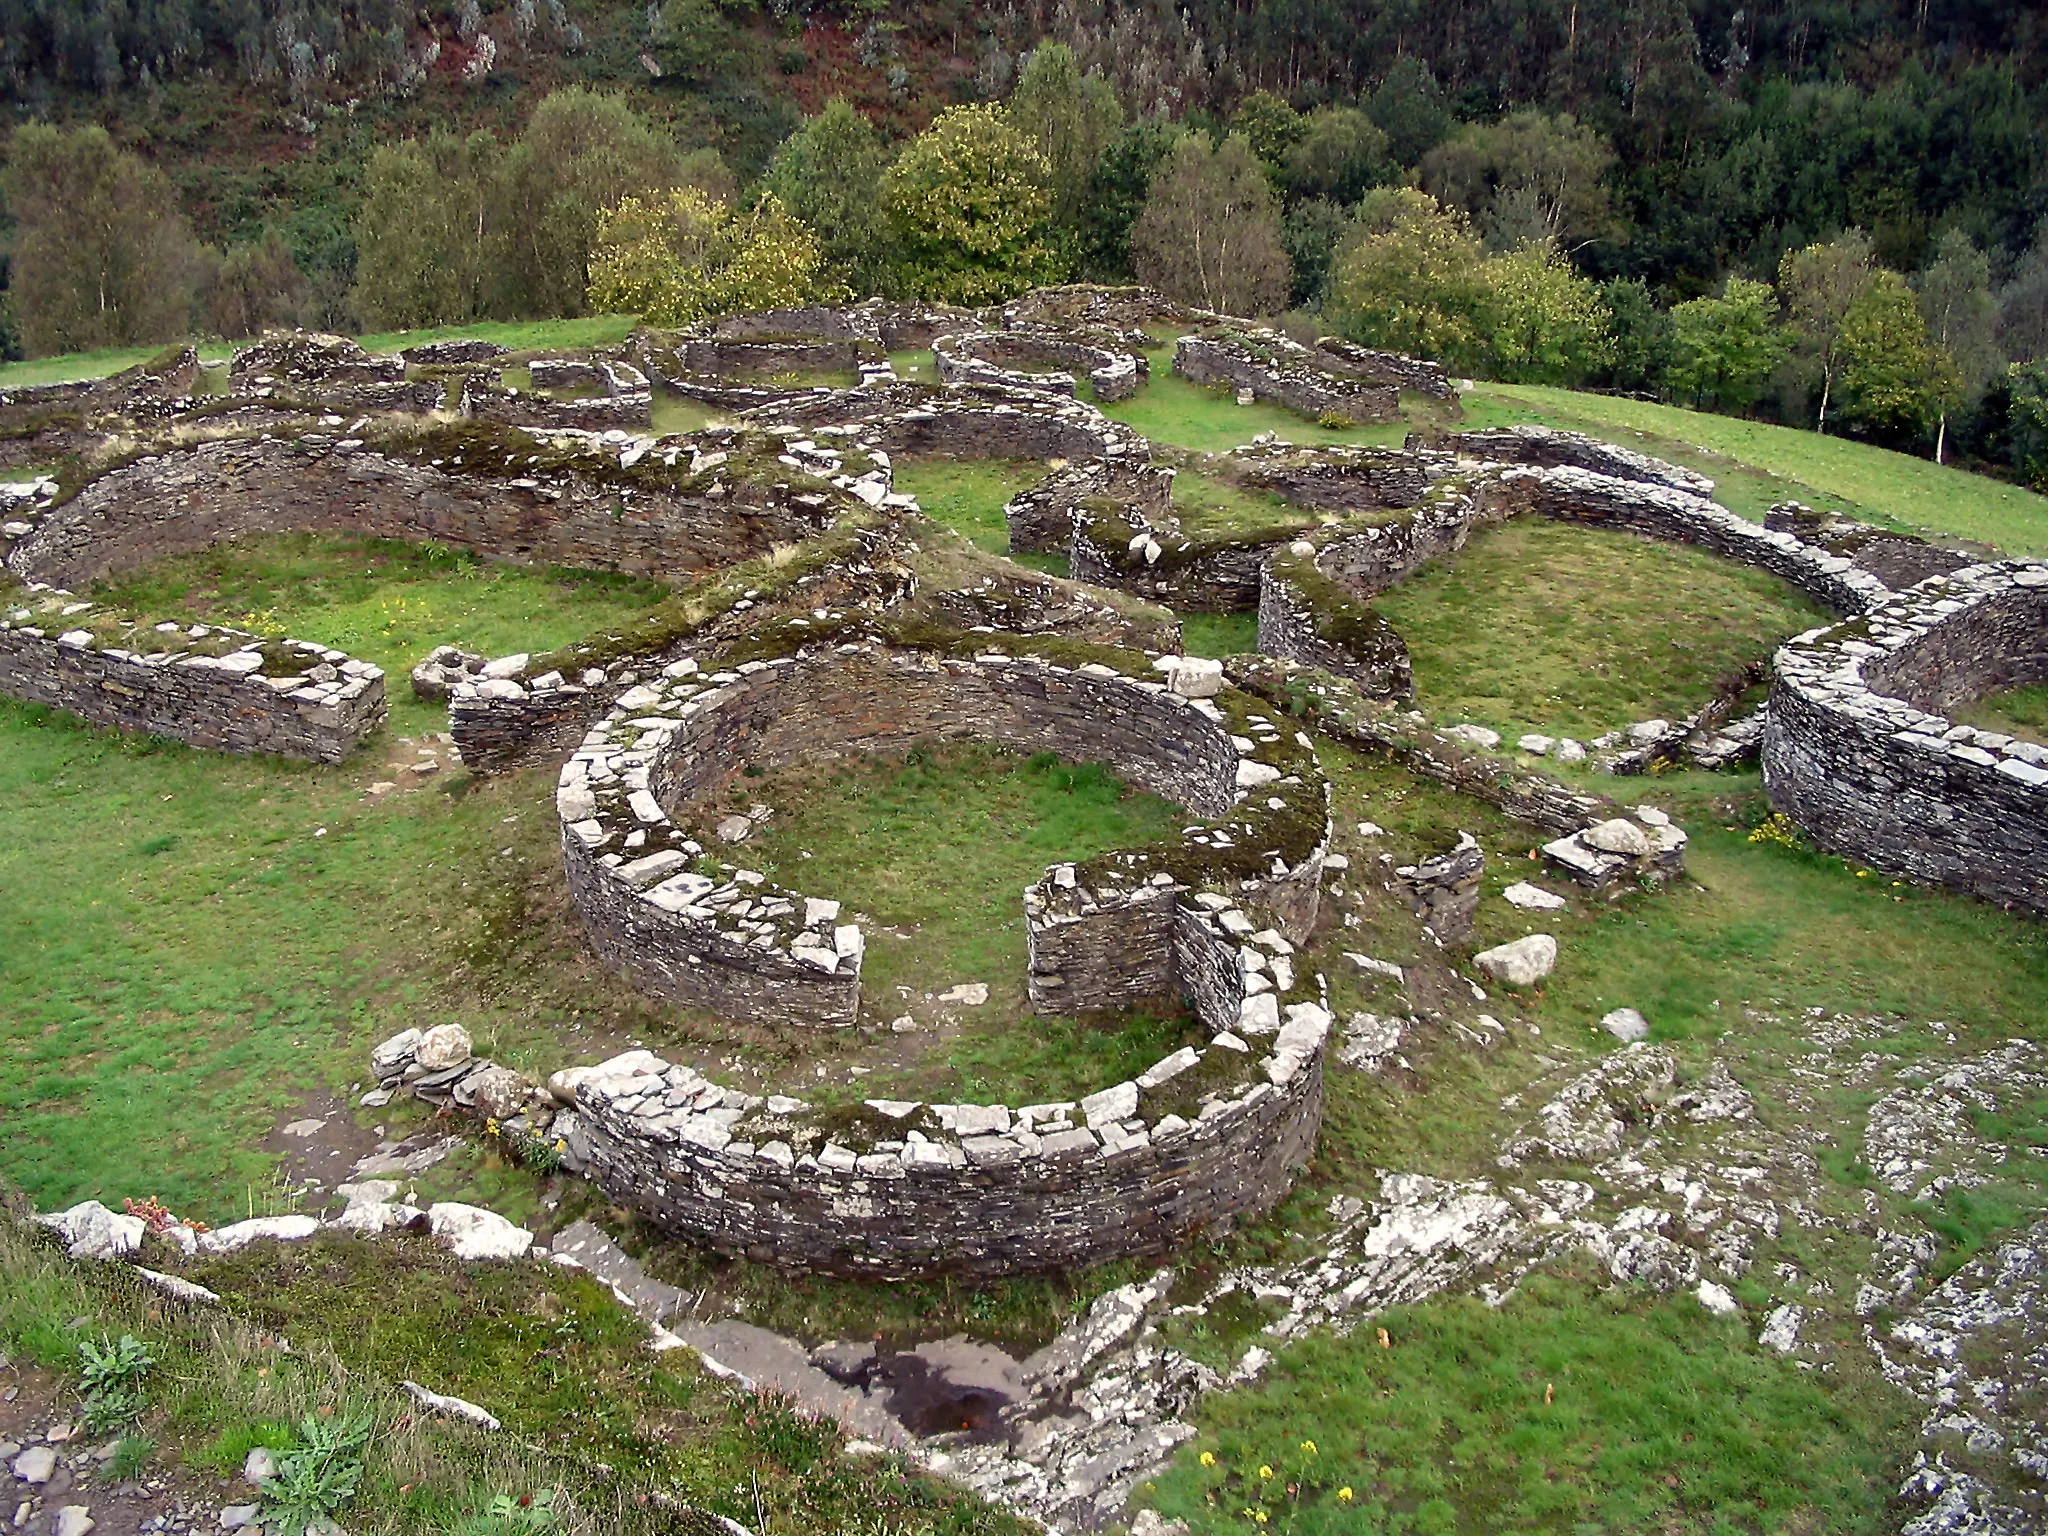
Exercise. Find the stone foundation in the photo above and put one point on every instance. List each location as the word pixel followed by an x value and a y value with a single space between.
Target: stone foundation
pixel 1393 369
pixel 1859 751
pixel 1305 617
pixel 1002 358
pixel 1550 448
pixel 1041 520
pixel 205 686
pixel 1281 372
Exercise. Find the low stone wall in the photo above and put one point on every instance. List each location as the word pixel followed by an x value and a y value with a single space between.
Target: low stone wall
pixel 1305 617
pixel 1394 369
pixel 1000 358
pixel 677 508
pixel 1554 449
pixel 289 358
pixel 202 685
pixel 481 400
pixel 734 944
pixel 722 359
pixel 1334 479
pixel 1896 559
pixel 1858 751
pixel 1114 546
pixel 1281 372
pixel 1041 520
pixel 1099 305
pixel 968 423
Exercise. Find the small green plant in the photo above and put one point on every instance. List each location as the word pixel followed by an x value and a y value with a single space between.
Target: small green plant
pixel 130 1457
pixel 1778 830
pixel 318 1475
pixel 509 1516
pixel 1335 421
pixel 110 1381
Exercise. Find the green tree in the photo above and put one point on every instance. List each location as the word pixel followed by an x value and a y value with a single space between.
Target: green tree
pixel 1269 125
pixel 972 203
pixel 102 256
pixel 1310 234
pixel 582 152
pixel 1210 232
pixel 1408 106
pixel 1410 278
pixel 1641 354
pixel 430 232
pixel 1116 195
pixel 1341 152
pixel 1072 118
pixel 1723 349
pixel 1820 285
pixel 677 257
pixel 1893 381
pixel 2027 387
pixel 1531 176
pixel 1961 315
pixel 2023 304
pixel 827 174
pixel 1546 324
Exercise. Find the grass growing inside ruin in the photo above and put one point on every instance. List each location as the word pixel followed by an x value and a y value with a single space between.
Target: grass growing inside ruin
pixel 1210 509
pixel 968 495
pixel 2021 711
pixel 515 335
pixel 1541 626
pixel 384 601
pixel 91 365
pixel 1888 487
pixel 1571 1408
pixel 934 850
pixel 1172 410
pixel 1219 634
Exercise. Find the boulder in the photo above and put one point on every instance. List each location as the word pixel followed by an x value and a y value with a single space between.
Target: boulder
pixel 1532 898
pixel 1521 963
pixel 1474 736
pixel 442 1047
pixel 91 1231
pixel 1618 836
pixel 389 1060
pixel 1626 1025
pixel 474 1233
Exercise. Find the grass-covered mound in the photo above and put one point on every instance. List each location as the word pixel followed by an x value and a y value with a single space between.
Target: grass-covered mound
pixel 1545 626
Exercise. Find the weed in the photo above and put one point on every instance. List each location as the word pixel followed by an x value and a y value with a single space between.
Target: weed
pixel 131 1455
pixel 507 1515
pixel 110 1381
pixel 318 1474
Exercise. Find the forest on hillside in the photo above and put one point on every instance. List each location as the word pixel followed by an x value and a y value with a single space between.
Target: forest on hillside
pixel 1826 211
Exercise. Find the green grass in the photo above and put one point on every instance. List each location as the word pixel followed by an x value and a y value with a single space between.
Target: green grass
pixel 934 850
pixel 1219 634
pixel 1538 625
pixel 1887 487
pixel 91 365
pixel 967 495
pixel 1571 1409
pixel 1210 509
pixel 384 601
pixel 2020 711
pixel 1170 409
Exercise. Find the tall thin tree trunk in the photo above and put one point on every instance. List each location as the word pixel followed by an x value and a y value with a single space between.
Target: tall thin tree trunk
pixel 1827 384
pixel 1941 439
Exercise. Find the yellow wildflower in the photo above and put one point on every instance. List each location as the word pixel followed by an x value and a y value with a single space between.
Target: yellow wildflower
pixel 1208 1458
pixel 1309 1446
pixel 1344 1495
pixel 1265 1471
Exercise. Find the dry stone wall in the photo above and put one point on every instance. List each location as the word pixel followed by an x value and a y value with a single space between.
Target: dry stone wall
pixel 742 947
pixel 1393 369
pixel 1305 617
pixel 1281 372
pixel 686 512
pixel 1859 750
pixel 1333 479
pixel 1004 357
pixel 1041 519
pixel 1551 448
pixel 971 422
pixel 203 685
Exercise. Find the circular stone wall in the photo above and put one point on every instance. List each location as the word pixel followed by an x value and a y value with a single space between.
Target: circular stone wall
pixel 1860 752
pixel 898 1188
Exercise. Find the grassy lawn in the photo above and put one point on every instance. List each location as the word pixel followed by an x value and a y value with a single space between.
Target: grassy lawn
pixel 968 495
pixel 385 601
pixel 1542 626
pixel 1210 509
pixel 92 365
pixel 1888 487
pixel 1571 1408
pixel 934 850
pixel 1170 409
pixel 2021 711
pixel 1219 634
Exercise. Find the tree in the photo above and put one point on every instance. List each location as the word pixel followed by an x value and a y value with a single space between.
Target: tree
pixel 677 257
pixel 2027 386
pixel 1341 152
pixel 1641 354
pixel 102 256
pixel 1072 119
pixel 1956 302
pixel 1409 278
pixel 430 232
pixel 1530 176
pixel 1210 232
pixel 1269 125
pixel 1722 350
pixel 1893 381
pixel 1820 285
pixel 2023 304
pixel 1546 324
pixel 1408 106
pixel 582 152
pixel 827 174
pixel 972 203
pixel 257 287
pixel 1310 234
pixel 1116 195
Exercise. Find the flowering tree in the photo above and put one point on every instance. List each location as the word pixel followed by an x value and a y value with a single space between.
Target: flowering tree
pixel 972 202
pixel 677 257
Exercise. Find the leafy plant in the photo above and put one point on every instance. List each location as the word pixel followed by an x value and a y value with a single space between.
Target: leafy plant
pixel 130 1457
pixel 317 1476
pixel 110 1380
pixel 509 1516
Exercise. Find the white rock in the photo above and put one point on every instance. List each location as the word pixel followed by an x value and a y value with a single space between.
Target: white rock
pixel 1474 736
pixel 1781 1329
pixel 73 1520
pixel 971 993
pixel 1618 836
pixel 1626 1025
pixel 453 1407
pixel 1643 732
pixel 259 1466
pixel 91 1231
pixel 1532 897
pixel 34 1465
pixel 1522 963
pixel 507 666
pixel 1535 745
pixel 1250 775
pixel 474 1233
pixel 1717 1299
pixel 1569 751
pixel 389 1059
pixel 442 1047
pixel 278 1229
